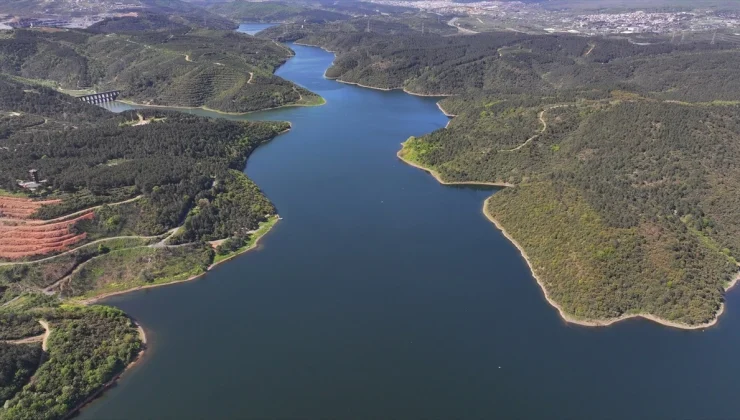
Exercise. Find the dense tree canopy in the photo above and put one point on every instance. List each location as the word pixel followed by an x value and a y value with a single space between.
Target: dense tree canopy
pixel 393 55
pixel 174 65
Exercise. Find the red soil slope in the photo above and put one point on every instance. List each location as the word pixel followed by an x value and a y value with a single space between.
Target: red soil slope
pixel 21 237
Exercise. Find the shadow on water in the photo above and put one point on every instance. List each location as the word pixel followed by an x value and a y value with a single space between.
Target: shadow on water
pixel 383 294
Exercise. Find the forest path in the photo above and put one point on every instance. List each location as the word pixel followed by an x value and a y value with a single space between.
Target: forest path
pixel 43 338
pixel 75 249
pixel 59 284
pixel 460 30
pixel 72 215
pixel 541 117
pixel 590 50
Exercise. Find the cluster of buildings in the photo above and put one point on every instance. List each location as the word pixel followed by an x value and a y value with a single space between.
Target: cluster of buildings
pixel 642 22
pixel 487 15
pixel 33 183
pixel 69 13
pixel 448 7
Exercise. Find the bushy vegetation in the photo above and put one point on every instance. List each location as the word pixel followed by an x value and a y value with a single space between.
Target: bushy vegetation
pixel 184 171
pixel 621 203
pixel 17 363
pixel 170 162
pixel 129 268
pixel 623 156
pixel 15 279
pixel 269 12
pixel 143 182
pixel 174 65
pixel 232 208
pixel 88 347
pixel 15 326
pixel 395 55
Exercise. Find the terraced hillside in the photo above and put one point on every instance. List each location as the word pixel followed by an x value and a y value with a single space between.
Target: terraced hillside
pixel 224 71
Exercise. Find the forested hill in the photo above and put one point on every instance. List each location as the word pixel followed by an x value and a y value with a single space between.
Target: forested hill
pixel 510 62
pixel 226 71
pixel 624 205
pixel 125 201
pixel 624 158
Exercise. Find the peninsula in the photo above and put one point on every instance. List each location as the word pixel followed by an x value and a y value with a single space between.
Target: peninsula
pixel 622 182
pixel 94 204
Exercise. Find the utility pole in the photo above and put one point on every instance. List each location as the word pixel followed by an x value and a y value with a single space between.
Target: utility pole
pixel 368 25
pixel 683 36
pixel 422 28
pixel 714 37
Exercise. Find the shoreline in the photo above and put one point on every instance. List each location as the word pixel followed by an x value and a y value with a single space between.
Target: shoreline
pixel 142 333
pixel 564 315
pixel 439 179
pixel 95 299
pixel 447 114
pixel 402 88
pixel 605 322
pixel 216 111
pixel 108 385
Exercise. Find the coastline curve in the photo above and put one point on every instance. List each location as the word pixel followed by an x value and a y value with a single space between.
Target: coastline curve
pixel 563 314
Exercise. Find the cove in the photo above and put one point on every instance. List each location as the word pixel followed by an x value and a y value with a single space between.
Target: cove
pixel 383 294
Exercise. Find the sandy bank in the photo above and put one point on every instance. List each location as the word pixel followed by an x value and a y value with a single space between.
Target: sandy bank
pixel 447 114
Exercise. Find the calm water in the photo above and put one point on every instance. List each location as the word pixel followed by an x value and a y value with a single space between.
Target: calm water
pixel 253 28
pixel 384 295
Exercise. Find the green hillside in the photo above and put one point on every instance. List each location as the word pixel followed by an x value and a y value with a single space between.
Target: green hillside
pixel 623 157
pixel 224 71
pixel 508 62
pixel 157 186
pixel 623 205
pixel 247 11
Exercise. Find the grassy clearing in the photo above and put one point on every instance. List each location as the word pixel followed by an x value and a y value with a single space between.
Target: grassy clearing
pixel 137 267
pixel 311 100
pixel 6 193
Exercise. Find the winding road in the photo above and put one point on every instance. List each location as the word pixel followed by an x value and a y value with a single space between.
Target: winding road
pixel 541 117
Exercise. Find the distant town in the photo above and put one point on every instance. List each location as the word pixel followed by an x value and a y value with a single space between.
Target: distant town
pixel 469 17
pixel 521 16
pixel 69 14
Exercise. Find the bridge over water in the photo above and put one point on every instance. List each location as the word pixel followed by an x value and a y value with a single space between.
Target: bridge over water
pixel 97 98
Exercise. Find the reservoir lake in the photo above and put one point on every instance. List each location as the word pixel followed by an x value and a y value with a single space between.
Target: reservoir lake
pixel 385 295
